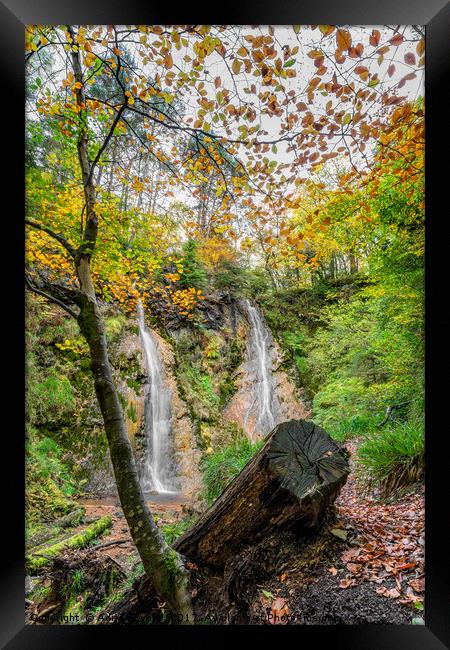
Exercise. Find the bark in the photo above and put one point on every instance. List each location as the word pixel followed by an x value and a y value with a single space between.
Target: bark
pixel 291 481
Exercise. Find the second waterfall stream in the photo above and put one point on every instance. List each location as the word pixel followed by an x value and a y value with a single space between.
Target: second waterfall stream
pixel 159 473
pixel 260 361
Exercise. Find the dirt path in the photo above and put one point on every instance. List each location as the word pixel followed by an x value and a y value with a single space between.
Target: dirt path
pixel 368 567
pixel 388 541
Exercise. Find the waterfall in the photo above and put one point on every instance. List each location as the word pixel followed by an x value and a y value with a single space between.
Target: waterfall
pixel 260 361
pixel 159 472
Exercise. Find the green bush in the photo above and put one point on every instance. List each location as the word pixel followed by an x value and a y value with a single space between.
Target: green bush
pixel 340 402
pixel 220 468
pixel 114 326
pixel 393 457
pixel 170 532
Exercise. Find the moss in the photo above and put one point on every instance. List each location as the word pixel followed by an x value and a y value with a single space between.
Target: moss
pixel 114 326
pixel 35 561
pixel 40 593
pixel 172 566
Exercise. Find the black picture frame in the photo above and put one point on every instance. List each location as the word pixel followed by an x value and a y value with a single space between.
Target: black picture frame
pixel 435 15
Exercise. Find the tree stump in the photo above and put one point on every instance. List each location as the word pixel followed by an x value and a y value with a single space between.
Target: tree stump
pixel 295 476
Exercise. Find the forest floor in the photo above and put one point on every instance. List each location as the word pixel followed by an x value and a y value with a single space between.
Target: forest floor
pixel 122 550
pixel 365 565
pixel 371 572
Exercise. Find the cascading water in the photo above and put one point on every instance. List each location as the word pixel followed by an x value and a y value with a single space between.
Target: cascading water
pixel 260 360
pixel 159 473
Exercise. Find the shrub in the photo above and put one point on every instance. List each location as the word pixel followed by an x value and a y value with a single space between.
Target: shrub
pixel 170 532
pixel 393 457
pixel 220 468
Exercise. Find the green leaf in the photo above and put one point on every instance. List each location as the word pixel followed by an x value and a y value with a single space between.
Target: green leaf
pixel 289 63
pixel 267 594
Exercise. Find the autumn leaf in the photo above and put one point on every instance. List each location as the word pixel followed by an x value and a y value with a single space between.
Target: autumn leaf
pixel 279 610
pixel 236 66
pixel 168 61
pixel 347 582
pixel 327 29
pixel 396 40
pixel 418 585
pixel 343 39
pixel 420 47
pixel 375 37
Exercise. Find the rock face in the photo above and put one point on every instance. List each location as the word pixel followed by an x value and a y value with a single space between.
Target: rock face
pixel 130 348
pixel 265 396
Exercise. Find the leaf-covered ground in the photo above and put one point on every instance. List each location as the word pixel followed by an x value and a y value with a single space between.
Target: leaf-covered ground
pixel 369 566
pixel 388 541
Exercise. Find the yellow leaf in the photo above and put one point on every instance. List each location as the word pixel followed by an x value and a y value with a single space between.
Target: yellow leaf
pixel 236 66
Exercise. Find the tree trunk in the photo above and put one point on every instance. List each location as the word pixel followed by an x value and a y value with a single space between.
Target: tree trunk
pixel 292 480
pixel 54 528
pixel 162 564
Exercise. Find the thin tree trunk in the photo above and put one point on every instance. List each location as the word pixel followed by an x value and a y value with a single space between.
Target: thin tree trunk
pixel 163 565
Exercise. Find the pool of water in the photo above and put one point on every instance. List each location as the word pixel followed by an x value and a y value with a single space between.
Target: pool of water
pixel 170 498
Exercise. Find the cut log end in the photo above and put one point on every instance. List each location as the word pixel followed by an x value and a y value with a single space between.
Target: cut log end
pixel 292 480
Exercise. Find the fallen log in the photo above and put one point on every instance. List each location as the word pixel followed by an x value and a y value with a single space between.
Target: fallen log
pixel 73 518
pixel 37 560
pixel 291 481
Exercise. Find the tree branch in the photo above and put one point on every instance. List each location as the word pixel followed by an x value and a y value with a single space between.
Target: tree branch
pixel 51 298
pixel 59 238
pixel 105 143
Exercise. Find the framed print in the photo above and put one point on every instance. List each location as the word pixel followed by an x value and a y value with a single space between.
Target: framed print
pixel 230 249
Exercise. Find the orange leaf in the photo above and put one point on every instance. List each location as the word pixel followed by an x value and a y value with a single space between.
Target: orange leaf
pixel 375 37
pixel 396 40
pixel 343 39
pixel 168 61
pixel 236 66
pixel 420 48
